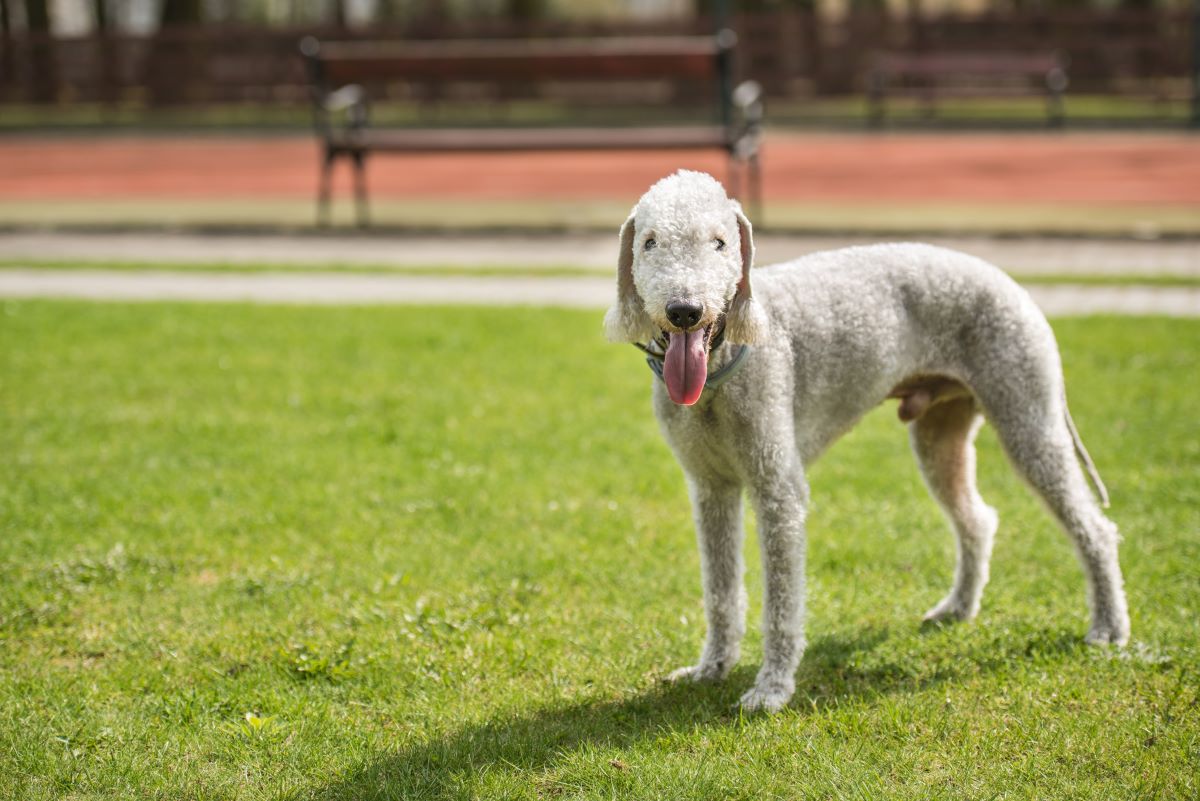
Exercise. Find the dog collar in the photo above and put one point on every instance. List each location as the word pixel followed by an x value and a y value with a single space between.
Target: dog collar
pixel 655 358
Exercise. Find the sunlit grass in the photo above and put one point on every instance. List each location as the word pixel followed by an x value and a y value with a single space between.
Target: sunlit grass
pixel 265 552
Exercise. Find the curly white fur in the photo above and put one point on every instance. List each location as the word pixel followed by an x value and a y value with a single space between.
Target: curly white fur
pixel 836 333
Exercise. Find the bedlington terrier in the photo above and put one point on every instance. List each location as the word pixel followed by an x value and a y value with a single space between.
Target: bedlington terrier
pixel 755 385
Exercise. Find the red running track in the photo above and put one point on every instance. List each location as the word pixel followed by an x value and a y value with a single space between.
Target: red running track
pixel 1075 168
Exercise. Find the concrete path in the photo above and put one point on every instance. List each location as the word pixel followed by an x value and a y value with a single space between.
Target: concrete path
pixel 587 292
pixel 305 287
pixel 589 251
pixel 301 279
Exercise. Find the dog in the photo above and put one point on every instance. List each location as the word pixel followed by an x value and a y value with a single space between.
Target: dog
pixel 760 371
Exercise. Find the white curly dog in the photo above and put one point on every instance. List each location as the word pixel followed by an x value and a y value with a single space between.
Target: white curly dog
pixel 755 385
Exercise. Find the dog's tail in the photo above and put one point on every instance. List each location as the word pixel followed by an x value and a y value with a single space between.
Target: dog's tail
pixel 1084 457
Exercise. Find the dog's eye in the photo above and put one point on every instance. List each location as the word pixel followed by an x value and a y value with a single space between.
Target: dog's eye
pixel 650 244
pixel 720 243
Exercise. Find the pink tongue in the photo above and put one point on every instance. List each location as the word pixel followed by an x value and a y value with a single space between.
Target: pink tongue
pixel 685 368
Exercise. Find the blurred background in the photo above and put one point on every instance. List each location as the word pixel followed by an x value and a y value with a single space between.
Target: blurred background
pixel 879 118
pixel 223 63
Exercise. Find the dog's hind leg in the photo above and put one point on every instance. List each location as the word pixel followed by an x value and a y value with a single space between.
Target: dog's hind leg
pixel 943 439
pixel 1038 440
pixel 717 507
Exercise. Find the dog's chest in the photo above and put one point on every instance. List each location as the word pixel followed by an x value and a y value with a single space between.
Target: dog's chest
pixel 704 437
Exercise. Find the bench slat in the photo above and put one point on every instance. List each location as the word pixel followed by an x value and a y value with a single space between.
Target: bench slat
pixel 966 91
pixel 432 140
pixel 983 64
pixel 492 60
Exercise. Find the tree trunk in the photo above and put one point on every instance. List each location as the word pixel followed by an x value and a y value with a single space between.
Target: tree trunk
pixel 6 57
pixel 173 60
pixel 180 12
pixel 105 57
pixel 387 11
pixel 523 10
pixel 339 14
pixel 41 51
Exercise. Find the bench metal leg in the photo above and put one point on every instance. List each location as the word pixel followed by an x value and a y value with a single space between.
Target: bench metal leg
pixel 360 188
pixel 877 114
pixel 323 188
pixel 1054 111
pixel 747 171
pixel 733 176
pixel 929 103
pixel 754 188
pixel 1056 84
pixel 877 100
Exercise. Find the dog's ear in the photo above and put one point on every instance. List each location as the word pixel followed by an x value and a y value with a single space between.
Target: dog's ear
pixel 746 322
pixel 627 320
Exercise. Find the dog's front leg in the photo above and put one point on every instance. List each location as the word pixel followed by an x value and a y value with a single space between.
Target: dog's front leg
pixel 717 506
pixel 779 500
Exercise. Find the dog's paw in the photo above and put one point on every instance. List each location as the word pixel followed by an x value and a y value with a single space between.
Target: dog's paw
pixel 771 693
pixel 768 696
pixel 949 610
pixel 1110 633
pixel 705 671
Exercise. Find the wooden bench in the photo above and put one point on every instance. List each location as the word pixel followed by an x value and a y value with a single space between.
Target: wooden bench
pixel 930 76
pixel 340 72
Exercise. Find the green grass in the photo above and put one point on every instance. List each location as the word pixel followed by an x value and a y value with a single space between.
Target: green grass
pixel 313 553
pixel 1079 111
pixel 1132 278
pixel 806 112
pixel 1117 279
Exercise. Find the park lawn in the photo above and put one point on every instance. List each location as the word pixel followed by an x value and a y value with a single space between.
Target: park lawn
pixel 306 553
pixel 838 113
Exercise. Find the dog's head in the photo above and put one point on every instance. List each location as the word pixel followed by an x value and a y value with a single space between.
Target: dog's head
pixel 683 275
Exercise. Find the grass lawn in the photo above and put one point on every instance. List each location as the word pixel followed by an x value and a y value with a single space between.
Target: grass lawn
pixel 847 111
pixel 307 553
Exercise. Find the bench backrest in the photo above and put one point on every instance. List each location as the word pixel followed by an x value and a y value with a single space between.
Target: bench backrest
pixel 937 64
pixel 702 58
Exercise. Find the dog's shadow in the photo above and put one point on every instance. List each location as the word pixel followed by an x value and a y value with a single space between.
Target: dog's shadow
pixel 829 673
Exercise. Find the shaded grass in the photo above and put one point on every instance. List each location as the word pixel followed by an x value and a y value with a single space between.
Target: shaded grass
pixel 1118 279
pixel 265 552
pixel 1133 278
pixel 1080 111
pixel 844 111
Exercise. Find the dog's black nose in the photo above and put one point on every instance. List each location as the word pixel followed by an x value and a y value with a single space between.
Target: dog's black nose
pixel 683 315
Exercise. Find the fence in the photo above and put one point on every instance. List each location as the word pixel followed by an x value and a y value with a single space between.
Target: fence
pixel 792 53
